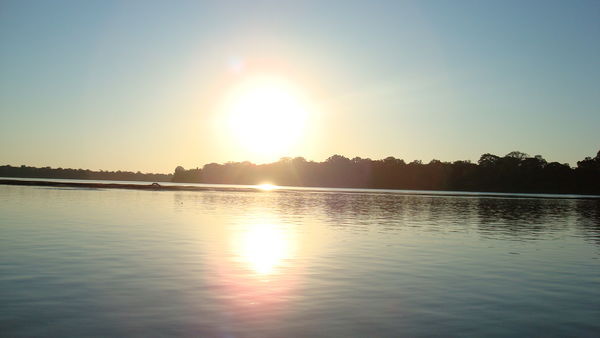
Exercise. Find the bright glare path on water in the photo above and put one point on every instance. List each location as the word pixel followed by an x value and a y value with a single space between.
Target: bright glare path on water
pixel 219 263
pixel 263 247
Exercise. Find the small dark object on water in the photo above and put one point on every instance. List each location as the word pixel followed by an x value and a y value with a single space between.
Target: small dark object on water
pixel 156 185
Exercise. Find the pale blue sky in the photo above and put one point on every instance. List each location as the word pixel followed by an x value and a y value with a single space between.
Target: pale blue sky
pixel 134 85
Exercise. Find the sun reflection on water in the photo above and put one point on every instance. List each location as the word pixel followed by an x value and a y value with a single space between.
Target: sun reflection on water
pixel 264 247
pixel 257 266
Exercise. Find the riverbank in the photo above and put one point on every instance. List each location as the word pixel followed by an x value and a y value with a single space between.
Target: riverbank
pixel 95 185
pixel 167 186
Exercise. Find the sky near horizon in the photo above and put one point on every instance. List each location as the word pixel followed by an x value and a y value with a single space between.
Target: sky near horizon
pixel 149 85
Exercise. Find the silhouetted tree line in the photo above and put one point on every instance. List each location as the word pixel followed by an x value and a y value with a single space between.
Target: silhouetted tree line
pixel 83 174
pixel 515 172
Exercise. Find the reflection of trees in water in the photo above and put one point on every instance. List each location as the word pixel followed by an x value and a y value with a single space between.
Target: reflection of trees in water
pixel 497 218
pixel 523 218
pixel 588 219
pixel 392 212
pixel 350 210
pixel 514 218
pixel 296 203
pixel 242 203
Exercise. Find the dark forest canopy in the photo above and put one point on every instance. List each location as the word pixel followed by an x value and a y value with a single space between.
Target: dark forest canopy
pixel 514 172
pixel 83 174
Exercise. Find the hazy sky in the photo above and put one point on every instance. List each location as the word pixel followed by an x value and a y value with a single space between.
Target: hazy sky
pixel 138 85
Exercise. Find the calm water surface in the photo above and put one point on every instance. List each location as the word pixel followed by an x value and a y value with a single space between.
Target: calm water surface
pixel 85 262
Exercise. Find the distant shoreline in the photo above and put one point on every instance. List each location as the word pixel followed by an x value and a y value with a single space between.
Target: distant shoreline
pixel 514 173
pixel 94 185
pixel 252 188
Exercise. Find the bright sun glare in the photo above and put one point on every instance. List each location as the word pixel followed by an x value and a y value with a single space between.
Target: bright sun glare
pixel 267 116
pixel 264 247
pixel 266 186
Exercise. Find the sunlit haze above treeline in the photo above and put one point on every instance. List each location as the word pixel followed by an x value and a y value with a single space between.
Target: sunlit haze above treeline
pixel 149 85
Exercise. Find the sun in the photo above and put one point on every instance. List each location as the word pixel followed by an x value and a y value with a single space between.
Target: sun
pixel 267 116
